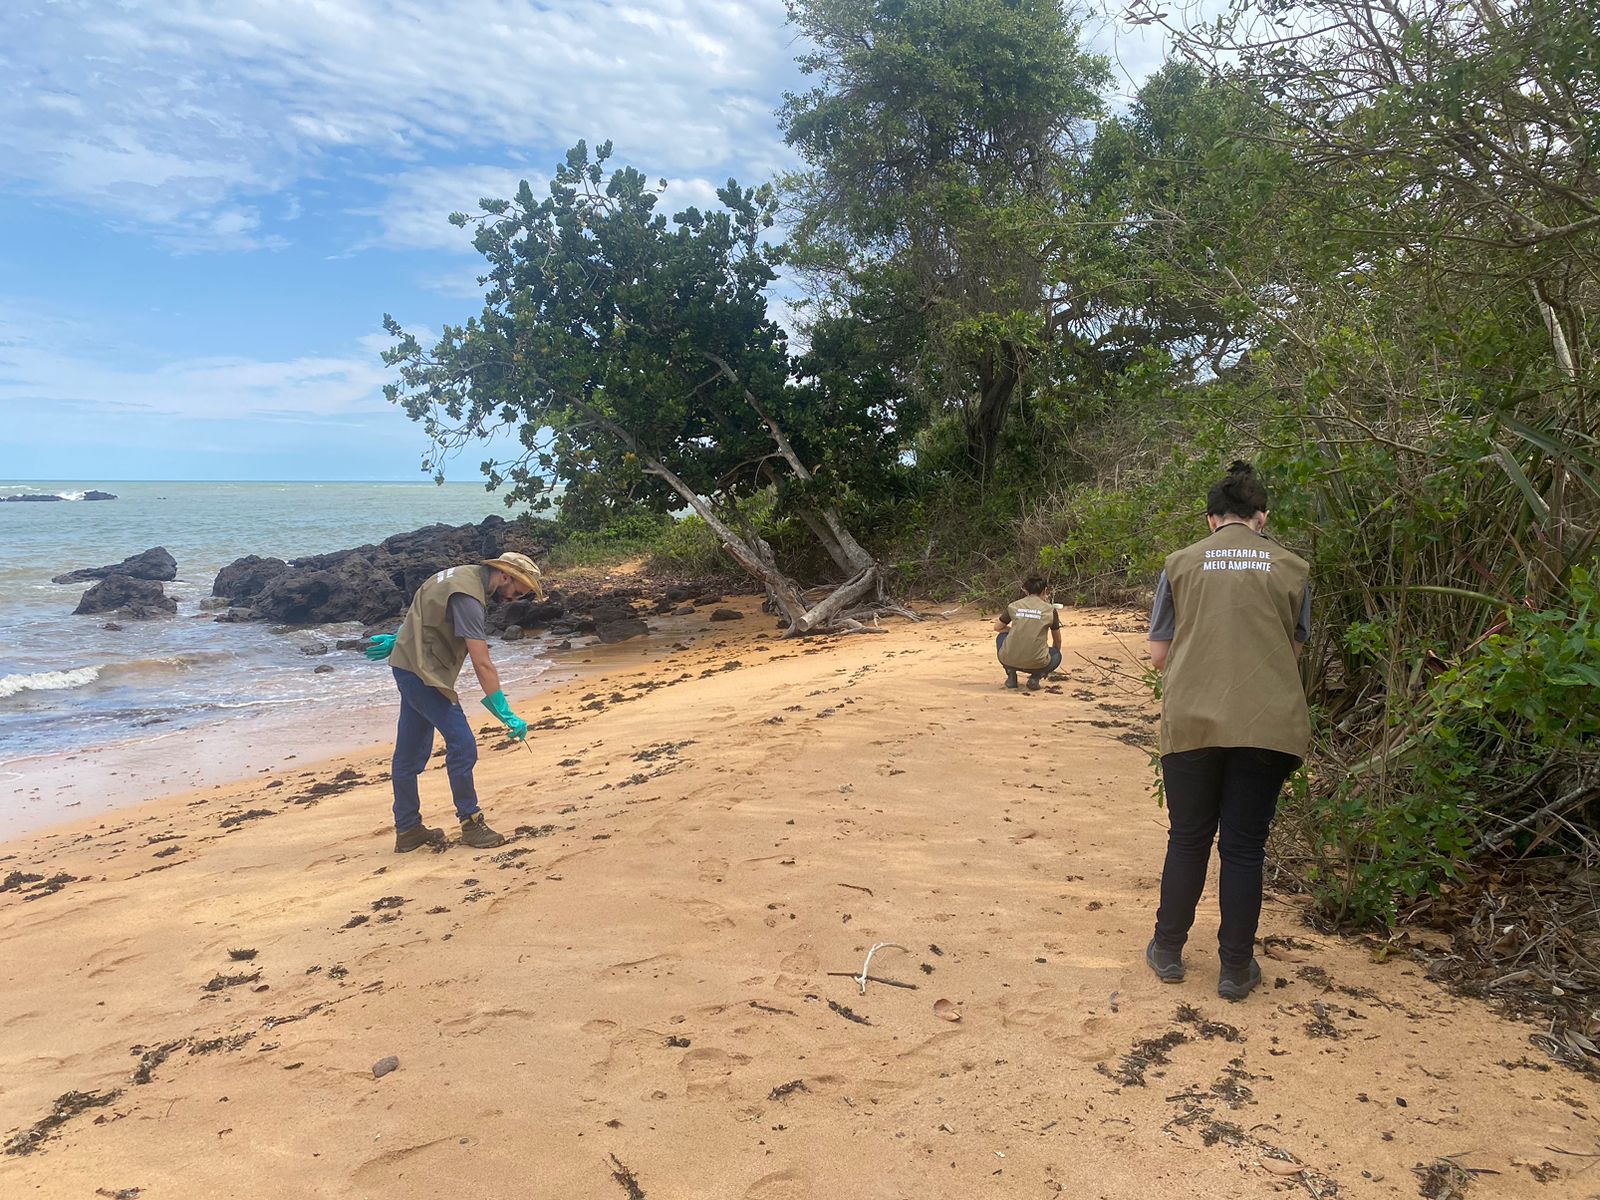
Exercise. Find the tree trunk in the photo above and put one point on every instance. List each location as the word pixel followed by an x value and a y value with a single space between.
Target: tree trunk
pixel 998 377
pixel 841 546
pixel 836 601
pixel 754 555
pixel 845 551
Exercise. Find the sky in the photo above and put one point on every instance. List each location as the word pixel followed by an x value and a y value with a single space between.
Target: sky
pixel 206 208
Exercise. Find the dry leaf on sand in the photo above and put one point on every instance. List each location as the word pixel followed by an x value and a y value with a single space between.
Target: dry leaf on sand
pixel 946 1010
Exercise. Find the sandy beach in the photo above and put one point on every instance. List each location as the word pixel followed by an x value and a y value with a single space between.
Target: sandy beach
pixel 648 991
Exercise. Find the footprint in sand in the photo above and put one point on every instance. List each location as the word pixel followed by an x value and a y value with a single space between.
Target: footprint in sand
pixel 780 1185
pixel 710 914
pixel 801 962
pixel 708 1070
pixel 378 1173
pixel 713 870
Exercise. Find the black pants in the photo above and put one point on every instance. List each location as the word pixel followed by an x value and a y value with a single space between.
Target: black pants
pixel 1237 789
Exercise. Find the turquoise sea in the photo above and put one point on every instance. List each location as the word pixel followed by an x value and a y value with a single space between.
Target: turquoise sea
pixel 67 683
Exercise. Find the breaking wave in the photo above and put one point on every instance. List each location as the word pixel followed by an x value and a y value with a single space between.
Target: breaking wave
pixel 48 681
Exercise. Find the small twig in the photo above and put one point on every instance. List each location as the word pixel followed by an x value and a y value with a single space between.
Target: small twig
pixel 872 979
pixel 856 887
pixel 861 980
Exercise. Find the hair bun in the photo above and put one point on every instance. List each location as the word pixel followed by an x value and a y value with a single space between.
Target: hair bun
pixel 1239 467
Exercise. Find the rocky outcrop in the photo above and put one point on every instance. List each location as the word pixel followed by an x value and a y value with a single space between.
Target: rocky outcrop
pixel 134 599
pixel 374 584
pixel 620 630
pixel 371 584
pixel 247 577
pixel 154 563
pixel 39 497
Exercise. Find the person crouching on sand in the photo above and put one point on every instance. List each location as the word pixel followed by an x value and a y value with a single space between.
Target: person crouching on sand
pixel 1232 613
pixel 442 629
pixel 1023 627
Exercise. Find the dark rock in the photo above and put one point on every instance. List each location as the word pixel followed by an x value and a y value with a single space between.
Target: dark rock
pixel 357 590
pixel 213 603
pixel 321 670
pixel 154 563
pixel 113 626
pixel 135 599
pixel 533 614
pixel 606 612
pixel 688 610
pixel 247 577
pixel 677 593
pixel 94 495
pixel 620 631
pixel 513 633
pixel 314 649
pixel 238 616
pixel 727 614
pixel 29 498
pixel 351 643
pixel 384 1065
pixel 372 584
pixel 702 601
pixel 564 644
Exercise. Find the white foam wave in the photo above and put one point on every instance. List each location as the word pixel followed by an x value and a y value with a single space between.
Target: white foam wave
pixel 48 681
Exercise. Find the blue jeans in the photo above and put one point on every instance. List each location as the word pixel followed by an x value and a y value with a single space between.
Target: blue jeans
pixel 1234 789
pixel 422 710
pixel 1011 672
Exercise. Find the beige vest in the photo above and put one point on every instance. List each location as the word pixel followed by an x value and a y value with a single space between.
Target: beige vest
pixel 1027 644
pixel 427 644
pixel 1232 677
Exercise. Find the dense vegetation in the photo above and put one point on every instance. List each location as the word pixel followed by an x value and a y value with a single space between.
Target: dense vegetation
pixel 1356 242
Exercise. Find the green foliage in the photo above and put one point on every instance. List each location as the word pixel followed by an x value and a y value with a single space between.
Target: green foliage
pixel 1520 700
pixel 635 358
pixel 628 534
pixel 1529 690
pixel 689 547
pixel 940 142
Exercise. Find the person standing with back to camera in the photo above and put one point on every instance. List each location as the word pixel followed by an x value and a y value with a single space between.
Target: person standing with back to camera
pixel 1231 617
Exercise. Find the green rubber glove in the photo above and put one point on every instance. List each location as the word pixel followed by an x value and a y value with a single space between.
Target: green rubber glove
pixel 498 706
pixel 382 645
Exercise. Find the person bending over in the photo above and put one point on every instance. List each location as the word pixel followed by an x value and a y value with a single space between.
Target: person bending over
pixel 1231 615
pixel 1024 628
pixel 442 629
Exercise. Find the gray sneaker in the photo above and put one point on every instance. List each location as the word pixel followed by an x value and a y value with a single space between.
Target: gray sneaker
pixel 415 839
pixel 475 832
pixel 1235 983
pixel 1167 964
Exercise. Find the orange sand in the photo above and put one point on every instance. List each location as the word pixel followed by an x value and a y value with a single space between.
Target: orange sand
pixel 638 992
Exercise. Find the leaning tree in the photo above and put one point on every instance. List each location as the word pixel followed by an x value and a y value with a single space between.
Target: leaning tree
pixel 635 355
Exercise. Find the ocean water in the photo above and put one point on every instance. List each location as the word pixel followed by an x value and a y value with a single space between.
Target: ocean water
pixel 68 684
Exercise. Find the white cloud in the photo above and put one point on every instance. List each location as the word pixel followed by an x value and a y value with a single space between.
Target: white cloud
pixel 415 212
pixel 180 116
pixel 44 369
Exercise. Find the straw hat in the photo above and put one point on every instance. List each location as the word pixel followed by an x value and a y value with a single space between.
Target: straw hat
pixel 521 568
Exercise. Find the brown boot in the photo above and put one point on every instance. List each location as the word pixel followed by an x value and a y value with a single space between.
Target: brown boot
pixel 475 832
pixel 413 839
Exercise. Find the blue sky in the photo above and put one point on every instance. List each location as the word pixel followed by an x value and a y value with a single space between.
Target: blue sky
pixel 208 207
